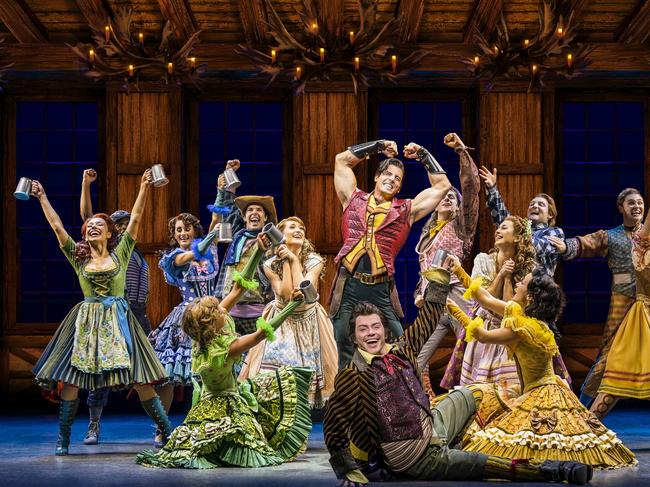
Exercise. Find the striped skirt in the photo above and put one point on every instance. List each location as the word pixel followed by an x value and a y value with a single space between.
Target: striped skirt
pixel 55 363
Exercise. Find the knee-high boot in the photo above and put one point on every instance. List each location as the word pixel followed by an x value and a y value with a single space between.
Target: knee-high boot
pixel 67 411
pixel 156 412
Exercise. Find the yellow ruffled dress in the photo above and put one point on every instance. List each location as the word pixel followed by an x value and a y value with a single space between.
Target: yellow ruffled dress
pixel 547 421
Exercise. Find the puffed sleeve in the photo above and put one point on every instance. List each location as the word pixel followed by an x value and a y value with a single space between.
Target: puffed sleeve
pixel 485 267
pixel 124 249
pixel 173 273
pixel 529 329
pixel 68 249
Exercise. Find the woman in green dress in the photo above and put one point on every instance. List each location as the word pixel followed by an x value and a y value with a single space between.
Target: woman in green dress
pixel 260 422
pixel 99 343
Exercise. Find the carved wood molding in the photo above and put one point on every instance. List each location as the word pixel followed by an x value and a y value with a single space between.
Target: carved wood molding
pixel 21 22
pixel 635 29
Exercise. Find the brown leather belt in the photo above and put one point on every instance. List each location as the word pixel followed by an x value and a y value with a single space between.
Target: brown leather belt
pixel 369 279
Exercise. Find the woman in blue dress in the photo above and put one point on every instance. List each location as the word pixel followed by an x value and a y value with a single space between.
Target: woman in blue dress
pixel 192 266
pixel 99 343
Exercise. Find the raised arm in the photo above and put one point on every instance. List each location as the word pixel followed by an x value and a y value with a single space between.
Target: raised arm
pixel 85 203
pixel 426 201
pixel 138 206
pixel 345 182
pixel 52 217
pixel 495 203
pixel 469 187
pixel 592 245
pixel 645 228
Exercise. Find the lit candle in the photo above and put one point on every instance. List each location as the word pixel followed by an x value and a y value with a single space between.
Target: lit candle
pixel 357 63
pixel 131 71
pixel 496 49
pixel 314 27
pixel 273 56
pixel 298 72
pixel 322 54
pixel 477 60
pixel 141 39
pixel 534 69
pixel 193 64
pixel 560 31
pixel 91 57
pixel 526 42
pixel 107 34
pixel 569 59
pixel 393 63
pixel 351 36
pixel 170 68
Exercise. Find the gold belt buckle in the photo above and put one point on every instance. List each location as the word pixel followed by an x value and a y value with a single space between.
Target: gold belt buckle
pixel 368 279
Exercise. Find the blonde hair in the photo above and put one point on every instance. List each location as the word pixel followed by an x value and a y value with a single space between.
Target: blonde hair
pixel 525 255
pixel 200 322
pixel 306 249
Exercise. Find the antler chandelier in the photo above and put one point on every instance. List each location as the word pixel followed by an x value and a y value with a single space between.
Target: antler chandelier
pixel 372 51
pixel 119 53
pixel 551 52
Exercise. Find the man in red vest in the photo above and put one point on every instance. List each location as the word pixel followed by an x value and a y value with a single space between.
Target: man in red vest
pixel 375 227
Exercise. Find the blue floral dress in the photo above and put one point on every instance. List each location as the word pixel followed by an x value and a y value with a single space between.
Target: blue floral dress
pixel 193 280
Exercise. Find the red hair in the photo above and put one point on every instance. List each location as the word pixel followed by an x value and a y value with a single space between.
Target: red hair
pixel 82 249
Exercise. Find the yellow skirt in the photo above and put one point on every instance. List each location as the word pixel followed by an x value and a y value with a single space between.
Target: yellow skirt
pixel 627 371
pixel 550 423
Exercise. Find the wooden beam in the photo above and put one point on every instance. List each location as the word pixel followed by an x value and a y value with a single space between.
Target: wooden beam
pixel 635 29
pixel 253 20
pixel 96 12
pixel 484 17
pixel 575 6
pixel 445 58
pixel 332 12
pixel 410 14
pixel 22 22
pixel 179 13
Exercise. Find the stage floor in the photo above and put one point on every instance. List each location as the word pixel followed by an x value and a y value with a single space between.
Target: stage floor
pixel 27 457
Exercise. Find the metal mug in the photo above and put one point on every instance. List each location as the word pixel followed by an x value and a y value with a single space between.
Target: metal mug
pixel 23 189
pixel 439 258
pixel 232 181
pixel 308 291
pixel 158 175
pixel 274 234
pixel 225 233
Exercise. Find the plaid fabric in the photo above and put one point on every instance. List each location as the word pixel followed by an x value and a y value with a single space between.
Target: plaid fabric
pixel 547 254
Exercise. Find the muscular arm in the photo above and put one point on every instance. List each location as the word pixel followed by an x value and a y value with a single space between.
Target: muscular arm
pixel 345 182
pixel 426 201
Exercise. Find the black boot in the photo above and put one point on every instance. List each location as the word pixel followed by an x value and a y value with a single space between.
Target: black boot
pixel 156 411
pixel 67 411
pixel 572 472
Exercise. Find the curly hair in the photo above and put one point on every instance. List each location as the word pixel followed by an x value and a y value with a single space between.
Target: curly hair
pixel 306 250
pixel 366 308
pixel 82 248
pixel 187 219
pixel 546 299
pixel 199 322
pixel 525 254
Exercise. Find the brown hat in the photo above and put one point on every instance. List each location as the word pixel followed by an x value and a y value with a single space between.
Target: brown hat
pixel 265 202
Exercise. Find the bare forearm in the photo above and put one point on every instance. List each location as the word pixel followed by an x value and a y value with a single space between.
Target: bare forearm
pixel 245 343
pixel 183 259
pixel 137 210
pixel 487 301
pixel 85 203
pixel 344 179
pixel 54 220
pixel 496 286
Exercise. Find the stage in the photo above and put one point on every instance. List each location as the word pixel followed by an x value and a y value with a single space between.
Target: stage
pixel 27 457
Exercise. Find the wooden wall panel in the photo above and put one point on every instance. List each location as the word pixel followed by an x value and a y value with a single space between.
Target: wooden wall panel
pixel 148 130
pixel 511 129
pixel 325 123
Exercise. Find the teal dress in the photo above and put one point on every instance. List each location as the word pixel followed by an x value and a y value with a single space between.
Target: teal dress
pixel 100 343
pixel 261 422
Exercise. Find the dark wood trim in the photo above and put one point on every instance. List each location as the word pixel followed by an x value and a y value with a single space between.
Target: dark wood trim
pixel 254 21
pixel 192 155
pixel 635 29
pixel 180 16
pixel 410 14
pixel 110 152
pixel 647 145
pixel 484 17
pixel 572 353
pixel 10 242
pixel 548 155
pixel 22 22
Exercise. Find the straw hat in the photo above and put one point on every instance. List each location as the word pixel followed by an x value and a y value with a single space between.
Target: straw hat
pixel 265 202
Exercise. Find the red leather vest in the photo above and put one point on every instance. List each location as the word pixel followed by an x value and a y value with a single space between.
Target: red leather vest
pixel 390 236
